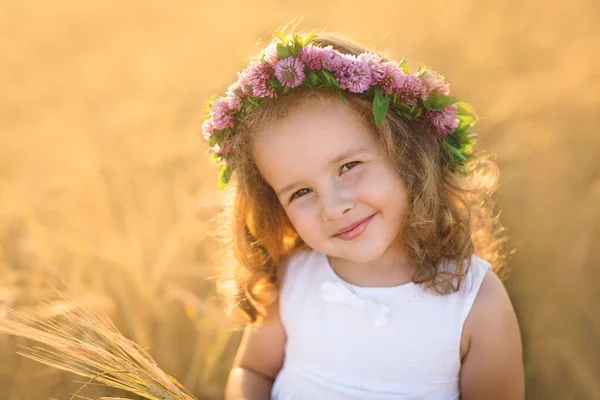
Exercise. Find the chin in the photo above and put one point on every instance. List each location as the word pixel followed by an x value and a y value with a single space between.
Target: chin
pixel 364 252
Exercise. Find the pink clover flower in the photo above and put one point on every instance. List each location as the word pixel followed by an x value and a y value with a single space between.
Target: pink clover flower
pixel 290 72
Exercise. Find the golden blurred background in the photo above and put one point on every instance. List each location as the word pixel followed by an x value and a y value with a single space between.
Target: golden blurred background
pixel 106 191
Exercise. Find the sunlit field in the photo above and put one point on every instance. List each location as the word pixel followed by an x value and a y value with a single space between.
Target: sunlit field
pixel 106 192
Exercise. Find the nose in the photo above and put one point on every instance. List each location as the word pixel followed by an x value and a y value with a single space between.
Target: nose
pixel 335 203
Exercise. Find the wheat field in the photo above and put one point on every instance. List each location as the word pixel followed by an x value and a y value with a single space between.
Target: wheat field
pixel 106 191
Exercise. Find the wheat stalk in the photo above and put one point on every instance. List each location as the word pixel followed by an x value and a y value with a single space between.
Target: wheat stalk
pixel 86 343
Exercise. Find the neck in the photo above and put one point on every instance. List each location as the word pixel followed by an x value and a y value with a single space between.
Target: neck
pixel 392 268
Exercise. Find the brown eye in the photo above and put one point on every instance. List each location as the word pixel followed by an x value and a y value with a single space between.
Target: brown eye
pixel 349 165
pixel 299 193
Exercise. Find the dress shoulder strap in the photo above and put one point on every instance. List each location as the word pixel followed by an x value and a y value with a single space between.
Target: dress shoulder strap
pixel 294 283
pixel 472 283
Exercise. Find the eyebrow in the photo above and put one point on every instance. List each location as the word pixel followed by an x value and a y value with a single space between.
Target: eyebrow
pixel 347 154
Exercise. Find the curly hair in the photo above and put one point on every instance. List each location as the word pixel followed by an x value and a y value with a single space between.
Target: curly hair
pixel 450 215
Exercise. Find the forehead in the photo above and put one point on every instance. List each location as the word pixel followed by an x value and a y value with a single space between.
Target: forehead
pixel 307 140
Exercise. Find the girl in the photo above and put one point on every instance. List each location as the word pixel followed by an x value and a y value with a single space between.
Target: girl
pixel 358 232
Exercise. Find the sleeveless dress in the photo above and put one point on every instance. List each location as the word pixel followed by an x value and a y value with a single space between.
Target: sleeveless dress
pixel 377 343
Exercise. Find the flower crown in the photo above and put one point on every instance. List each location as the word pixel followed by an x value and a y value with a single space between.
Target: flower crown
pixel 295 61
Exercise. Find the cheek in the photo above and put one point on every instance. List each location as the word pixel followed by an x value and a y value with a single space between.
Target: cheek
pixel 382 185
pixel 397 198
pixel 385 191
pixel 303 219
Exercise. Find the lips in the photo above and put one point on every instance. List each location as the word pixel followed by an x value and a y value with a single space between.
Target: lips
pixel 355 229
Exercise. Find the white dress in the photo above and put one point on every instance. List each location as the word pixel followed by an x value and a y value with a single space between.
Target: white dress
pixel 376 343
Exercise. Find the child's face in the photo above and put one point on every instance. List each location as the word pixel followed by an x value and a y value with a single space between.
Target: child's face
pixel 328 173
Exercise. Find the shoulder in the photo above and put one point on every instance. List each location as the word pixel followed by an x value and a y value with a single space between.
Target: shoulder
pixel 477 274
pixel 492 367
pixel 262 347
pixel 492 303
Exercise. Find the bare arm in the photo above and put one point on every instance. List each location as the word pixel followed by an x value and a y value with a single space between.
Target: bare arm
pixel 492 369
pixel 258 360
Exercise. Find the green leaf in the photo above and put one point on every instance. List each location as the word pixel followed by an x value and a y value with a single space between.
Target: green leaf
pixel 457 153
pixel 380 106
pixel 464 125
pixel 462 128
pixel 281 37
pixel 224 175
pixel 328 75
pixel 311 35
pixel 207 106
pixel 403 65
pixel 217 136
pixel 453 140
pixel 312 78
pixel 418 113
pixel 297 45
pixel 283 51
pixel 468 119
pixel 421 71
pixel 248 88
pixel 343 97
pixel 275 83
pixel 403 107
pixel 330 78
pixel 214 138
pixel 439 100
pixel 466 109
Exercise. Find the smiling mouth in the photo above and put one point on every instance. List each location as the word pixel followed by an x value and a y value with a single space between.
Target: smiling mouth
pixel 354 230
